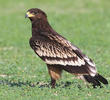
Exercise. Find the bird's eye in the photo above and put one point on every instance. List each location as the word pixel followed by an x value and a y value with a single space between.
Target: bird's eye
pixel 35 12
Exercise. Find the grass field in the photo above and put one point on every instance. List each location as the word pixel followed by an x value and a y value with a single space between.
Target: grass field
pixel 23 76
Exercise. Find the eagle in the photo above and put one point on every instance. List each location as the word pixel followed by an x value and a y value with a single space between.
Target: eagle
pixel 58 53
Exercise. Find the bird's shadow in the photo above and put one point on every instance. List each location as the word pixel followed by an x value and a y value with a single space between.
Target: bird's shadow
pixel 18 83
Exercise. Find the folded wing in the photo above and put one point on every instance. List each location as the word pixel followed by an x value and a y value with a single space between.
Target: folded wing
pixel 56 50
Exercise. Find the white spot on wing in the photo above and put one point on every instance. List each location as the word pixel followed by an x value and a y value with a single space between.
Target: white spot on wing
pixel 92 74
pixel 89 62
pixel 65 62
pixel 92 69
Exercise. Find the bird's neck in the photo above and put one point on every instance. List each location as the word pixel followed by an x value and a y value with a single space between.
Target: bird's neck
pixel 40 26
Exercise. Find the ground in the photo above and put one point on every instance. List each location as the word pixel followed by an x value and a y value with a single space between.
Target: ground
pixel 23 76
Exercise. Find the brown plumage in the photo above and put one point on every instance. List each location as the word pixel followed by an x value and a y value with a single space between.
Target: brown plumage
pixel 58 53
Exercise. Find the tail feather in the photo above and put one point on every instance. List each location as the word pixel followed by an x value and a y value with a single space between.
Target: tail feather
pixel 101 79
pixel 96 80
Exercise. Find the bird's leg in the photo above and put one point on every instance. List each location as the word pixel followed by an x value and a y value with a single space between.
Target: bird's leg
pixel 53 82
pixel 55 74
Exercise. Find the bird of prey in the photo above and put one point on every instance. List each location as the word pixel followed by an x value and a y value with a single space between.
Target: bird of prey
pixel 58 53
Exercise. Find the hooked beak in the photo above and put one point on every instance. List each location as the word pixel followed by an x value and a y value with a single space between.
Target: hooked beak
pixel 28 14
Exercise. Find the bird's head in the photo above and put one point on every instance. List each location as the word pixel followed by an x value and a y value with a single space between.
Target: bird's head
pixel 35 14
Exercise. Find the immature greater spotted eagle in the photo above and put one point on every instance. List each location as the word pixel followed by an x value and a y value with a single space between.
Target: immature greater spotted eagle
pixel 58 53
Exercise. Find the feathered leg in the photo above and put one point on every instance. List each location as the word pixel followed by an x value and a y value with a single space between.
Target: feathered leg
pixel 55 74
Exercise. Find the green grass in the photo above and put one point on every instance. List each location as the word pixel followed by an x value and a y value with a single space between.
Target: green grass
pixel 23 76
